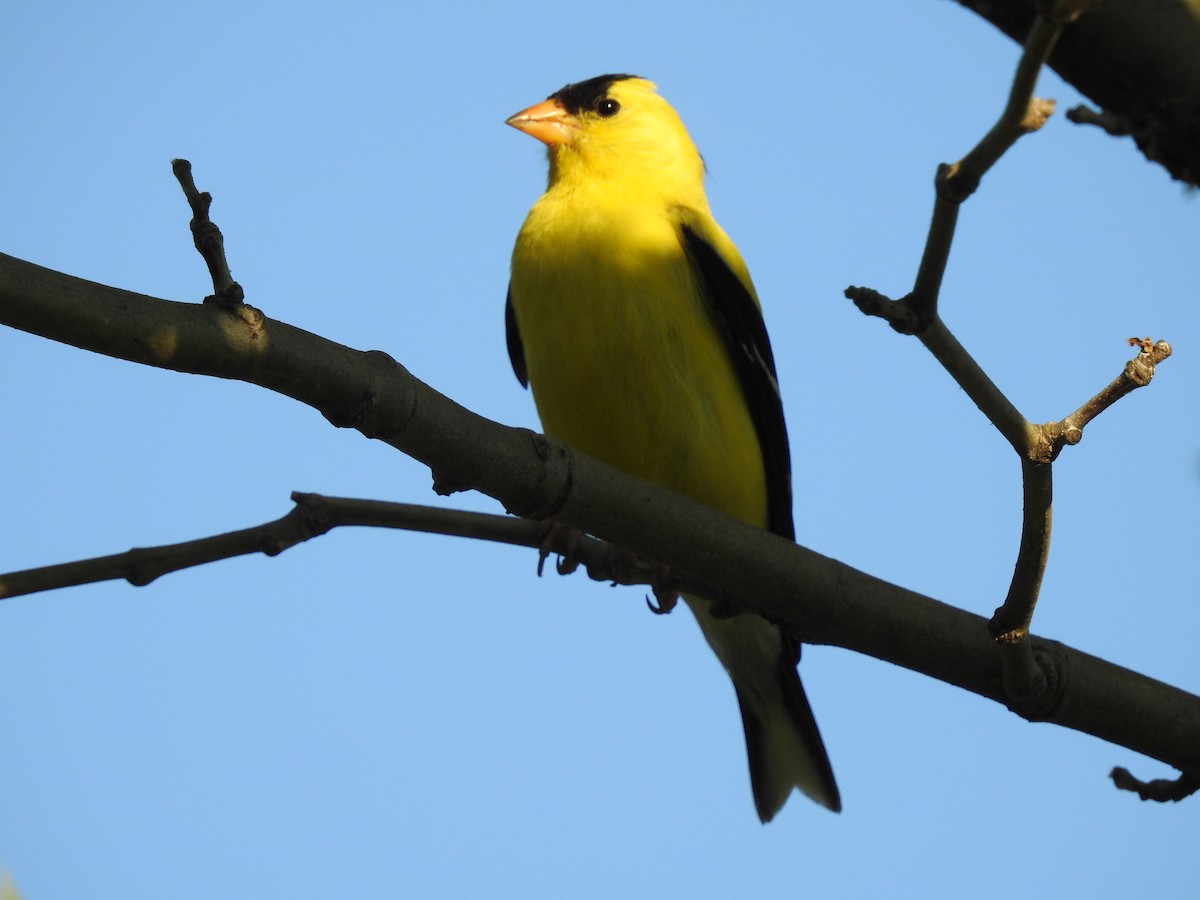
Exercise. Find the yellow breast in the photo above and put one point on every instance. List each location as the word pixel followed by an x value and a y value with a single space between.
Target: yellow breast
pixel 624 360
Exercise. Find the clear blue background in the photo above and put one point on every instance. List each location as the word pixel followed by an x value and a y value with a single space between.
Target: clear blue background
pixel 378 714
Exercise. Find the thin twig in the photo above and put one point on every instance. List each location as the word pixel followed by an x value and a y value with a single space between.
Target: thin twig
pixel 1112 123
pixel 142 565
pixel 315 515
pixel 954 358
pixel 955 182
pixel 1137 373
pixel 917 313
pixel 208 239
pixel 969 375
pixel 870 302
pixel 1161 790
pixel 1022 115
pixel 1011 621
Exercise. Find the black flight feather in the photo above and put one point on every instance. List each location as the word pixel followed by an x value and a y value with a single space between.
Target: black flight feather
pixel 516 349
pixel 740 322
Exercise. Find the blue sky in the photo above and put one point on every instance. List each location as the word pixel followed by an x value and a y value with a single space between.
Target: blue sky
pixel 380 714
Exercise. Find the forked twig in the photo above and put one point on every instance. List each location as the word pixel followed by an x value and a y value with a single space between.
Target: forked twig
pixel 917 313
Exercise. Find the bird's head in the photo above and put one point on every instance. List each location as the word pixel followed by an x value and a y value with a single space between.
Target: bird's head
pixel 612 127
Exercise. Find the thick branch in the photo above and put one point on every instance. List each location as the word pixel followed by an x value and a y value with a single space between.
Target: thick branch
pixel 813 597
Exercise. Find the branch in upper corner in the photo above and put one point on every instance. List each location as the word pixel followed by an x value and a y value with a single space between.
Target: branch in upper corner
pixel 1137 373
pixel 1023 113
pixel 208 239
pixel 1161 790
pixel 1139 62
pixel 1112 123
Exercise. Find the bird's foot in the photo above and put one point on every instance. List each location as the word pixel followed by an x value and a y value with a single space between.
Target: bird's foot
pixel 562 540
pixel 665 599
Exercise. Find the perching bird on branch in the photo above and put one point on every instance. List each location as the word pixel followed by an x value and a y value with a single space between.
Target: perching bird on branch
pixel 633 318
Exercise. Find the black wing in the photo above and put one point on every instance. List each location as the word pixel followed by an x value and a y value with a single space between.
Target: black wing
pixel 740 322
pixel 516 350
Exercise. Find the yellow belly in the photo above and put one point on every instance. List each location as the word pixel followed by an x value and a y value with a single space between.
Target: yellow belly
pixel 626 365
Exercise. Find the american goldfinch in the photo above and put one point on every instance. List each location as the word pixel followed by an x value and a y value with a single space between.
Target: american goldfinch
pixel 633 318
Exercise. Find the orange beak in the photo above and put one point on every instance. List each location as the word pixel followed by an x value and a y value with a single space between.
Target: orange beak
pixel 546 121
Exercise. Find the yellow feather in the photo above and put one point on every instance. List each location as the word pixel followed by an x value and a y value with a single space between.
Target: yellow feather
pixel 622 350
pixel 623 359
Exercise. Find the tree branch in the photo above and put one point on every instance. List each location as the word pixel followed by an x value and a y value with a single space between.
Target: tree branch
pixel 208 239
pixel 1139 62
pixel 1011 621
pixel 314 515
pixel 957 181
pixel 815 598
pixel 1137 373
pixel 1161 790
pixel 917 313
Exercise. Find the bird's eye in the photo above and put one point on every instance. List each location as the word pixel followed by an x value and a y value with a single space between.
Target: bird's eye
pixel 607 107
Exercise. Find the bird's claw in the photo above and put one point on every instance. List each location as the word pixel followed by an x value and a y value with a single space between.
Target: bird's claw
pixel 556 534
pixel 665 599
pixel 663 602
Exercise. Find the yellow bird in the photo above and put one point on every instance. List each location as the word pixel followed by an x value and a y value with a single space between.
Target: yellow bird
pixel 633 318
